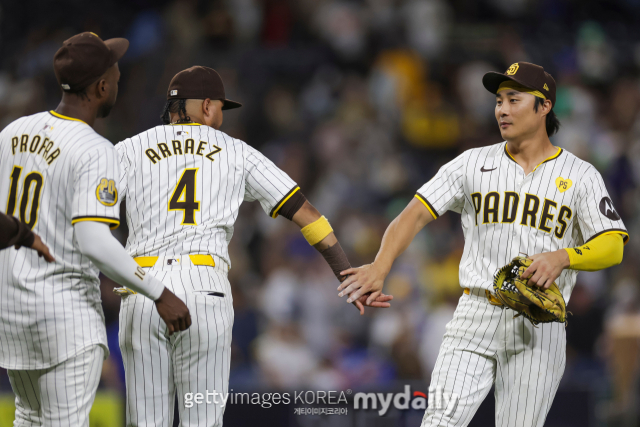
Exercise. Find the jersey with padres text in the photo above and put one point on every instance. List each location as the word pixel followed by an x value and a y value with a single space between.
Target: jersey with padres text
pixel 562 203
pixel 54 172
pixel 184 185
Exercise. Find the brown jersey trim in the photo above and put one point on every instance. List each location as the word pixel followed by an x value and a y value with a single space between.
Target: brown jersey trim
pixel 428 205
pixel 274 211
pixel 625 234
pixel 113 222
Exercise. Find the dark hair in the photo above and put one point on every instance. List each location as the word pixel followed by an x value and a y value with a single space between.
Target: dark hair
pixel 175 106
pixel 552 124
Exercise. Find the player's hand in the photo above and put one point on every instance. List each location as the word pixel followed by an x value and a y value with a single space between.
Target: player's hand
pixel 43 250
pixel 381 302
pixel 363 281
pixel 546 268
pixel 173 311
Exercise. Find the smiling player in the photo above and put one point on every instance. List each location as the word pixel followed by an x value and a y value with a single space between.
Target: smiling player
pixel 522 195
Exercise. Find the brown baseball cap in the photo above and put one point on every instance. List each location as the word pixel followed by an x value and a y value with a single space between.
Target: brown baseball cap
pixel 527 74
pixel 199 82
pixel 84 58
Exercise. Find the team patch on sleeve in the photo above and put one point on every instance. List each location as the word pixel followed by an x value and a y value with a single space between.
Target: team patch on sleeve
pixel 106 192
pixel 607 209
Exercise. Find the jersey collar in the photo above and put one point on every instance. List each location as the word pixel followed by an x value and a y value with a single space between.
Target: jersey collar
pixel 60 116
pixel 553 157
pixel 185 124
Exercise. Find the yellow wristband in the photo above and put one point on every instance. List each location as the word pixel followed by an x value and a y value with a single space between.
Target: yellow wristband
pixel 316 231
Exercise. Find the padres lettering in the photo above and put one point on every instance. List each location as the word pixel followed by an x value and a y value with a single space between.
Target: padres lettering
pixel 503 209
pixel 180 148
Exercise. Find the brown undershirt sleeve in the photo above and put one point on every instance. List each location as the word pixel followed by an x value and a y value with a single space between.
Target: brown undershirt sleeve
pixel 337 260
pixel 293 205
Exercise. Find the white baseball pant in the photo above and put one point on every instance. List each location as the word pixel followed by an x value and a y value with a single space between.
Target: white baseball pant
pixel 485 345
pixel 61 395
pixel 157 366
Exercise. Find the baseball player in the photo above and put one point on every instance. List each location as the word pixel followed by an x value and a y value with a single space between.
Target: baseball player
pixel 60 177
pixel 184 183
pixel 14 232
pixel 522 195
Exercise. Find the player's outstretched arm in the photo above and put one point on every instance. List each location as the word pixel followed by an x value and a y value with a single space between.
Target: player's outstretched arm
pixel 15 233
pixel 98 244
pixel 602 252
pixel 369 279
pixel 317 231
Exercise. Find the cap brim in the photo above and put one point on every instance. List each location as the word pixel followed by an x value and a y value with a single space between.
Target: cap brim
pixel 118 48
pixel 229 104
pixel 492 81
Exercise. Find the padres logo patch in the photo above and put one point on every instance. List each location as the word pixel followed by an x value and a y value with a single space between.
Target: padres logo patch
pixel 563 184
pixel 106 192
pixel 513 69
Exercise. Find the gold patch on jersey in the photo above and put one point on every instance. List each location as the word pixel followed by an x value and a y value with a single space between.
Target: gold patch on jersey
pixel 563 184
pixel 106 192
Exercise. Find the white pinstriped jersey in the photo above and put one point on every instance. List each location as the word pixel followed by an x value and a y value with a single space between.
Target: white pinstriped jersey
pixel 562 203
pixel 184 185
pixel 54 172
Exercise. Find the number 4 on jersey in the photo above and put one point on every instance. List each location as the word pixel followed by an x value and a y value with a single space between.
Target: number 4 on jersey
pixel 184 197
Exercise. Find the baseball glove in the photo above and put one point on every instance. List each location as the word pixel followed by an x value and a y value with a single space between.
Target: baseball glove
pixel 535 303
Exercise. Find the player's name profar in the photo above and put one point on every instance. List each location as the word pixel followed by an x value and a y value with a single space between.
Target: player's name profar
pixel 180 148
pixel 36 146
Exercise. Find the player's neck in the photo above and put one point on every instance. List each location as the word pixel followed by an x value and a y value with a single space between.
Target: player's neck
pixel 194 118
pixel 78 108
pixel 530 152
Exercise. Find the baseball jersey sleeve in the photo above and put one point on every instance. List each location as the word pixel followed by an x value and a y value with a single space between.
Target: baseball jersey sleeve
pixel 265 182
pixel 596 214
pixel 123 160
pixel 445 191
pixel 95 188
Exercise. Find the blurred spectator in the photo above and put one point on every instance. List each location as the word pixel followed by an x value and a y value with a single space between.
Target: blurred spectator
pixel 361 102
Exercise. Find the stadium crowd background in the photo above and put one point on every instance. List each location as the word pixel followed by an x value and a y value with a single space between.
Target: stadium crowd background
pixel 361 102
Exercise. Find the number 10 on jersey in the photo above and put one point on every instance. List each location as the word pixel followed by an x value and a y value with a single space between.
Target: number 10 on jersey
pixel 184 197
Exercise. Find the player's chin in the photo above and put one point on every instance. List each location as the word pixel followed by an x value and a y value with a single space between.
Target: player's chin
pixel 507 132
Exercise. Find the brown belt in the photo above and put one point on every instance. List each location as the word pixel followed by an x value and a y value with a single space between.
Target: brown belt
pixel 492 299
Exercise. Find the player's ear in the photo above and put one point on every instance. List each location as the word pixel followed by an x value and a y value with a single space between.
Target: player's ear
pixel 206 107
pixel 101 88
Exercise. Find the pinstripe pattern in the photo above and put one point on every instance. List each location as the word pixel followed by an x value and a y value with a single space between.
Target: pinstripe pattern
pixel 158 366
pixel 492 245
pixel 483 344
pixel 58 396
pixel 237 173
pixel 51 312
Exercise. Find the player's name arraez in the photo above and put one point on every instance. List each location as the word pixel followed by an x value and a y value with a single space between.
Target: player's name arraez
pixel 180 148
pixel 37 146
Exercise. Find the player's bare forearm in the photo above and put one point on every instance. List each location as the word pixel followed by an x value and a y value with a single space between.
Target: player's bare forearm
pixel 397 238
pixel 401 233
